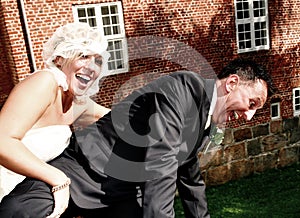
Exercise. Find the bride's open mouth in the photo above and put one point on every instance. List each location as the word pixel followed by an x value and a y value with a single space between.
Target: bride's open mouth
pixel 83 78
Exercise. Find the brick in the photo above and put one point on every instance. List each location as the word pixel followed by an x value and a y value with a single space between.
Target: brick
pixel 276 126
pixel 254 147
pixel 260 130
pixel 242 134
pixel 288 156
pixel 274 142
pixel 241 168
pixel 265 161
pixel 295 135
pixel 234 152
pixel 218 175
pixel 291 123
pixel 228 136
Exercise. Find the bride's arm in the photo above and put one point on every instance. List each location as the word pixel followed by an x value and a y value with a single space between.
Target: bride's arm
pixel 25 105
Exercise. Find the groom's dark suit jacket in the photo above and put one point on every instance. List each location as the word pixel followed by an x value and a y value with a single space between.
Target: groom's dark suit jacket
pixel 148 140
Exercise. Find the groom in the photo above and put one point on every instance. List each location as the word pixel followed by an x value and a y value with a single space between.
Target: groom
pixel 130 162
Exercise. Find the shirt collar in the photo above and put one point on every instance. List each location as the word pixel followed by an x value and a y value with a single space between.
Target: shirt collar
pixel 212 107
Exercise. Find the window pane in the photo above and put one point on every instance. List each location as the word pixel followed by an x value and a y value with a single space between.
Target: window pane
pixel 274 111
pixel 262 12
pixel 104 10
pixel 248 44
pixel 239 6
pixel 248 35
pixel 297 93
pixel 264 41
pixel 297 101
pixel 297 108
pixel 107 31
pixel 247 27
pixel 113 9
pixel 240 15
pixel 257 34
pixel 116 30
pixel 257 42
pixel 241 36
pixel 91 12
pixel 110 45
pixel 118 55
pixel 106 21
pixel 246 14
pixel 120 65
pixel 112 56
pixel 241 27
pixel 118 45
pixel 83 20
pixel 242 45
pixel 111 66
pixel 245 5
pixel 81 12
pixel 115 20
pixel 92 22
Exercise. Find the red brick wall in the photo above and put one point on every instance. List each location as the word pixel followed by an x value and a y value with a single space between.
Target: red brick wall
pixel 6 83
pixel 204 27
pixel 11 48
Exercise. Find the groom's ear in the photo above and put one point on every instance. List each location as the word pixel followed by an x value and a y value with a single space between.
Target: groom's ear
pixel 232 82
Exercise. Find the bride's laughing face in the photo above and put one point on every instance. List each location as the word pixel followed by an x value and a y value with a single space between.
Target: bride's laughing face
pixel 82 72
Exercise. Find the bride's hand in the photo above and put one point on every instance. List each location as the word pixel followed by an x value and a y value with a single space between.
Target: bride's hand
pixel 61 196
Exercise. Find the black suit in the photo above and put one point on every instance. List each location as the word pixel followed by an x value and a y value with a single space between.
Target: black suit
pixel 147 144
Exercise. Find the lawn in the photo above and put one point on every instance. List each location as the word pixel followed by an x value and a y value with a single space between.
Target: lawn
pixel 272 194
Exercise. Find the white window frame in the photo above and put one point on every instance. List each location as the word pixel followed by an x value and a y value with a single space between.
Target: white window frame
pixel 277 105
pixel 251 35
pixel 117 43
pixel 296 101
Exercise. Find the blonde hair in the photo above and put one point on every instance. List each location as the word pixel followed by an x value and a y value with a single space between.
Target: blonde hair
pixel 75 39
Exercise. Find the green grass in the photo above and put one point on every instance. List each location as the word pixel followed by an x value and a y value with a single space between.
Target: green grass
pixel 272 194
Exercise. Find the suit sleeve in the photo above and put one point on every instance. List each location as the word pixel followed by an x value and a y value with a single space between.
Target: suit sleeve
pixel 190 183
pixel 159 193
pixel 191 188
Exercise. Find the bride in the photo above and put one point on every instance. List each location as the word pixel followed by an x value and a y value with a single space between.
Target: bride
pixel 36 118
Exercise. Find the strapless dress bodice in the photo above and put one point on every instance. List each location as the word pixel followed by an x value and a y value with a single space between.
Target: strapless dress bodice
pixel 46 143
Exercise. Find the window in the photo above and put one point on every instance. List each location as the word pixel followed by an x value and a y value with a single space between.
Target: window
pixel 108 18
pixel 296 101
pixel 252 25
pixel 275 110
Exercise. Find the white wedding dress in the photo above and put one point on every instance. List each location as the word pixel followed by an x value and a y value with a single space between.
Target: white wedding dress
pixel 46 143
